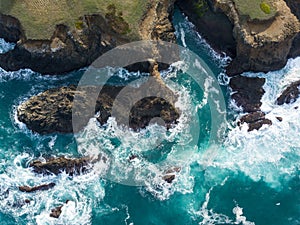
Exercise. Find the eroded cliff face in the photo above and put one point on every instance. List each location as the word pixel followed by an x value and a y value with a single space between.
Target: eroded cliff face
pixel 73 48
pixel 295 8
pixel 263 45
pixel 65 51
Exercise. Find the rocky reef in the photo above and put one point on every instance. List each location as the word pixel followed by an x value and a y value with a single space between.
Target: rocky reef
pixel 51 111
pixel 55 110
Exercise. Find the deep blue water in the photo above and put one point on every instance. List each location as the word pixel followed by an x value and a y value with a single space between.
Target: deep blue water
pixel 244 178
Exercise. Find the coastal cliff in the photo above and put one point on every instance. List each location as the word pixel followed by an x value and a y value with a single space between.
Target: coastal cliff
pixel 76 43
pixel 260 41
pixel 256 41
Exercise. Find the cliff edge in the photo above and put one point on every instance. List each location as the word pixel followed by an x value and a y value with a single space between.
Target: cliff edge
pixel 259 35
pixel 263 42
pixel 76 33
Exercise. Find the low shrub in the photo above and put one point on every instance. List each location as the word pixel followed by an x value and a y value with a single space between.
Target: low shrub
pixel 265 7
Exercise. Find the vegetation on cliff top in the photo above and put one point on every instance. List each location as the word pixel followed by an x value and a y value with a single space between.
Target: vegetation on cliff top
pixel 39 17
pixel 256 9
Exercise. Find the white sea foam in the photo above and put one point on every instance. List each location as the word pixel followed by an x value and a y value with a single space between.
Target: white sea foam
pixel 273 151
pixel 120 143
pixel 77 211
pixel 5 46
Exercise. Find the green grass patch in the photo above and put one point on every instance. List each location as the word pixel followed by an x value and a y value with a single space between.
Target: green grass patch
pixel 39 17
pixel 200 7
pixel 256 9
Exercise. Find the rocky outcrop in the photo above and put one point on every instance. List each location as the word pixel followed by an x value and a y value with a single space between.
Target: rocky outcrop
pixel 156 22
pixel 258 45
pixel 171 174
pixel 43 187
pixel 255 120
pixel 262 45
pixel 51 111
pixel 56 212
pixel 247 93
pixel 62 164
pixel 290 94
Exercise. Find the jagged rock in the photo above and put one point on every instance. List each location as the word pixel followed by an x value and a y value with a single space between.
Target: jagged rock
pixel 255 120
pixel 170 174
pixel 55 213
pixel 43 187
pixel 247 92
pixel 62 164
pixel 169 178
pixel 279 118
pixel 290 94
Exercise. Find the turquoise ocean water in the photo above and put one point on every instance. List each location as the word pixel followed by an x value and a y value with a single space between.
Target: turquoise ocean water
pixel 248 178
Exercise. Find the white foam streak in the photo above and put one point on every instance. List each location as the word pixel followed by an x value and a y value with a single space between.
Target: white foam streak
pixel 187 27
pixel 209 217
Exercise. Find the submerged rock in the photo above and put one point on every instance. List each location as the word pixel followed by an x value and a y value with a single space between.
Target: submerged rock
pixel 43 187
pixel 170 174
pixel 56 212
